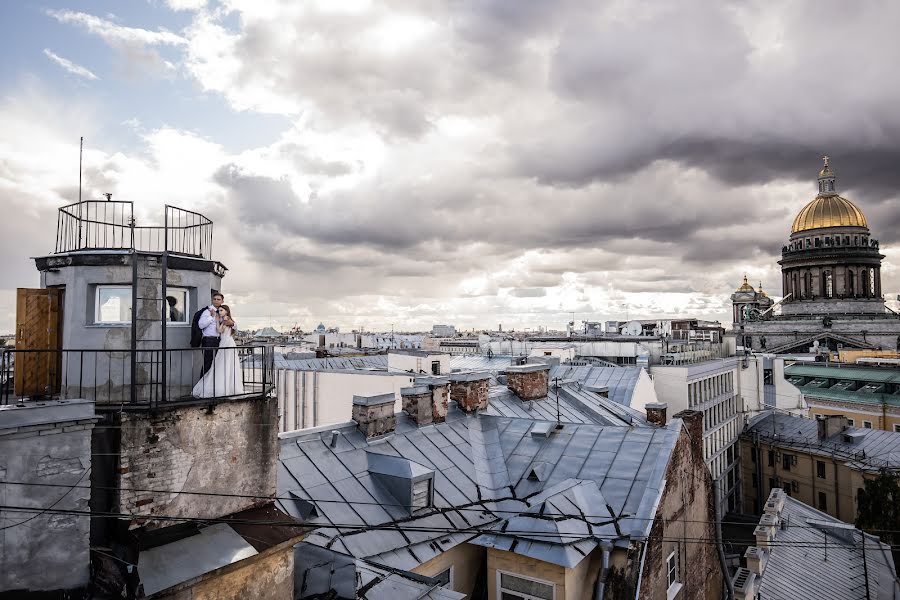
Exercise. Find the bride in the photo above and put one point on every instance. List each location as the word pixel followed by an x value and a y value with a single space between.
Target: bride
pixel 225 377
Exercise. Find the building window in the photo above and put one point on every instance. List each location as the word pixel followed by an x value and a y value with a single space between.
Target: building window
pixel 177 309
pixel 421 494
pixel 445 578
pixel 768 378
pixel 516 587
pixel 771 483
pixel 896 427
pixel 867 424
pixel 851 422
pixel 435 367
pixel 820 469
pixel 672 573
pixel 829 285
pixel 771 458
pixel 112 304
pixel 823 501
pixel 787 460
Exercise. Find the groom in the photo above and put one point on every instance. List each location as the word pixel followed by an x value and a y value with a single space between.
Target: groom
pixel 205 332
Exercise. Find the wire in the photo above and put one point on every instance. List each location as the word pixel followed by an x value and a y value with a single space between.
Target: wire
pixel 60 499
pixel 474 529
pixel 439 509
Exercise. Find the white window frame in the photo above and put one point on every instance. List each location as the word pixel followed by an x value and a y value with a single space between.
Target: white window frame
pixel 188 314
pixel 867 424
pixel 673 586
pixel 525 577
pixel 97 291
pixel 450 582
pixel 896 427
pixel 851 422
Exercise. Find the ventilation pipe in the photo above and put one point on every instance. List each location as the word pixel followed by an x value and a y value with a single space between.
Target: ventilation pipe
pixel 600 588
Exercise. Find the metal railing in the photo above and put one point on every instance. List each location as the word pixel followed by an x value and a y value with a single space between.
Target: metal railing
pixel 111 378
pixel 111 225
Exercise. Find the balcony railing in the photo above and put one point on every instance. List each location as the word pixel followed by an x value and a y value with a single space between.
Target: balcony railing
pixel 112 379
pixel 111 225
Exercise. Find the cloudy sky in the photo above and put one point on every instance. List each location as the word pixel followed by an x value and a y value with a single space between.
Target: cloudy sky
pixel 428 161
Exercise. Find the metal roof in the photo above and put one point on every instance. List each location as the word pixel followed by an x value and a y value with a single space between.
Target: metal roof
pixel 377 361
pixel 479 362
pixel 576 405
pixel 483 473
pixel 170 564
pixel 800 567
pixel 853 373
pixel 620 380
pixel 873 450
pixel 857 397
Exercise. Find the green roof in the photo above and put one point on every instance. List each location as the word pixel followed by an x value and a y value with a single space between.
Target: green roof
pixel 852 373
pixel 845 396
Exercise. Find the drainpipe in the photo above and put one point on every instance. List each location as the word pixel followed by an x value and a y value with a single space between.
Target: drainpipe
pixel 600 589
pixel 728 584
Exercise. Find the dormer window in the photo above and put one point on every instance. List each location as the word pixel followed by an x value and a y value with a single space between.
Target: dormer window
pixel 408 482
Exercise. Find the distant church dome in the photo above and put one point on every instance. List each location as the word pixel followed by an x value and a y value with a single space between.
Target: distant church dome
pixel 828 209
pixel 746 287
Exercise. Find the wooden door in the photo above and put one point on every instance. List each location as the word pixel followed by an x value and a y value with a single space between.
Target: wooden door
pixel 38 328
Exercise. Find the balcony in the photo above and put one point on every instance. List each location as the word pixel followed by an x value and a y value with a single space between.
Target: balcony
pixel 110 225
pixel 128 379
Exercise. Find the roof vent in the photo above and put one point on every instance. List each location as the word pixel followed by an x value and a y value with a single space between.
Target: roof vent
pixel 541 429
pixel 854 436
pixel 538 472
pixel 744 584
pixel 410 483
pixel 334 438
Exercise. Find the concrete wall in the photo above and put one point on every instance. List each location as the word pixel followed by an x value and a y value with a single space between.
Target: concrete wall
pixel 752 390
pixel 315 398
pixel 230 446
pixel 686 511
pixel 466 560
pixel 268 575
pixel 105 376
pixel 46 443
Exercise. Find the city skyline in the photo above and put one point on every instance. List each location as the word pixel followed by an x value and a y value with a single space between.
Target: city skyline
pixel 415 163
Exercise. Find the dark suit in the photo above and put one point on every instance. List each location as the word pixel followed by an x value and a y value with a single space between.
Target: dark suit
pixel 198 340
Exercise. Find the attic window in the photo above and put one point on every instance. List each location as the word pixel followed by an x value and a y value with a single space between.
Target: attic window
pixel 421 494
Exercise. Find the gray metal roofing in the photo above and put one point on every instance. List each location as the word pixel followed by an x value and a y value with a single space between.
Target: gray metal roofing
pixel 479 362
pixel 485 469
pixel 798 569
pixel 576 405
pixel 620 380
pixel 875 449
pixel 377 361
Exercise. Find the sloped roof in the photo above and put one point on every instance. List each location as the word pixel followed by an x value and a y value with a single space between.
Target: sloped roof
pixel 874 449
pixel 621 381
pixel 576 405
pixel 481 470
pixel 363 363
pixel 562 541
pixel 800 570
pixel 268 332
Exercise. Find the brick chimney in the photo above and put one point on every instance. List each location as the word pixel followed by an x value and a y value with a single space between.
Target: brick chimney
pixel 374 415
pixel 417 403
pixel 440 394
pixel 693 421
pixel 470 390
pixel 656 413
pixel 528 382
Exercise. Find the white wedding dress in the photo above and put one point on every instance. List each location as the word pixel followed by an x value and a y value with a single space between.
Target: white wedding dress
pixel 224 378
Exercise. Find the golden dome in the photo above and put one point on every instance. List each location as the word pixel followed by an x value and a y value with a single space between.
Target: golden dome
pixel 829 211
pixel 761 292
pixel 746 287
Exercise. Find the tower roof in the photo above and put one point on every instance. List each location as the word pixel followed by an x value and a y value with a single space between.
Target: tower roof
pixel 828 209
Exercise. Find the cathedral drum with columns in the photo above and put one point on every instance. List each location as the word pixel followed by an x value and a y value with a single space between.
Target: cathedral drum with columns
pixel 831 277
